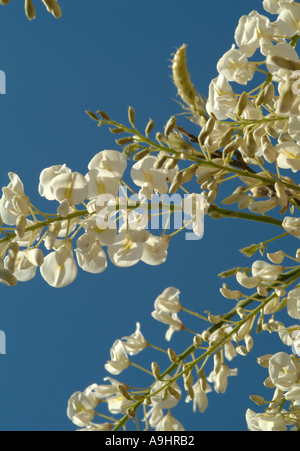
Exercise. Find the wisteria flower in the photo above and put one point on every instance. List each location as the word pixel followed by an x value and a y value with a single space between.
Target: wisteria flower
pixel 136 342
pixel 59 268
pixel 111 160
pixel 119 359
pixel 80 410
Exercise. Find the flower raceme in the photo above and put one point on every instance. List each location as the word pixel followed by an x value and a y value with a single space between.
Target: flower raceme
pixel 251 138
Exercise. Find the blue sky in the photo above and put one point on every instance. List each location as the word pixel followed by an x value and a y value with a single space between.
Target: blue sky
pixel 108 55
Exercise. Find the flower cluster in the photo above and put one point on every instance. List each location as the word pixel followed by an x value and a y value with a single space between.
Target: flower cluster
pixel 251 138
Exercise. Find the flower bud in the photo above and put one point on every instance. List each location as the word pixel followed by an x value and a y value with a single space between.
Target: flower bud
pixel 251 145
pixel 7 278
pixel 1 221
pixel 171 163
pixel 172 356
pixel 241 350
pixel 228 294
pixel 124 141
pixel 29 9
pixel 280 191
pixel 263 361
pixel 93 116
pixel 131 115
pixel 189 173
pixel 266 95
pixel 286 99
pixel 197 341
pixel 160 162
pixel 149 127
pixel 170 125
pixel 176 183
pixel 243 201
pixel 20 226
pixel 4 2
pixel 264 206
pixel 259 400
pixel 249 343
pixel 140 155
pixel 174 393
pixel 217 362
pixel 104 115
pixel 207 129
pixel 53 7
pixel 226 137
pixel 117 130
pixel 276 257
pixel 155 370
pixel 123 391
pixel 205 335
pixel 202 379
pixel 242 313
pixel 212 195
pixel 242 103
pixel 284 63
pixel 214 319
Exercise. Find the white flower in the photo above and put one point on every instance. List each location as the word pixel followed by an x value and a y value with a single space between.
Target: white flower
pixel 172 320
pixel 284 50
pixel 143 174
pixel 168 301
pixel 14 202
pixel 94 260
pixel 288 21
pixel 89 392
pixel 288 156
pixel 69 186
pixel 80 409
pixel 46 177
pixel 235 67
pixel 220 379
pixel 155 250
pixel 293 303
pixel 169 423
pixel 118 404
pixel 200 400
pixel 293 394
pixel 282 370
pixel 119 359
pixel 136 342
pixel 251 29
pixel 101 228
pixel 27 263
pixel 155 415
pixel 158 401
pixel 265 271
pixel 101 181
pixel 221 101
pixel 105 391
pixel 124 252
pixel 276 6
pixel 59 268
pixel 292 226
pixel 111 160
pixel 265 421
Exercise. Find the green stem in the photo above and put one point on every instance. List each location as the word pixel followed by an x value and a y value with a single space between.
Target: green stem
pixel 225 213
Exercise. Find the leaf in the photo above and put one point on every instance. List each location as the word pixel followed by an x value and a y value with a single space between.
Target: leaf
pixel 249 251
